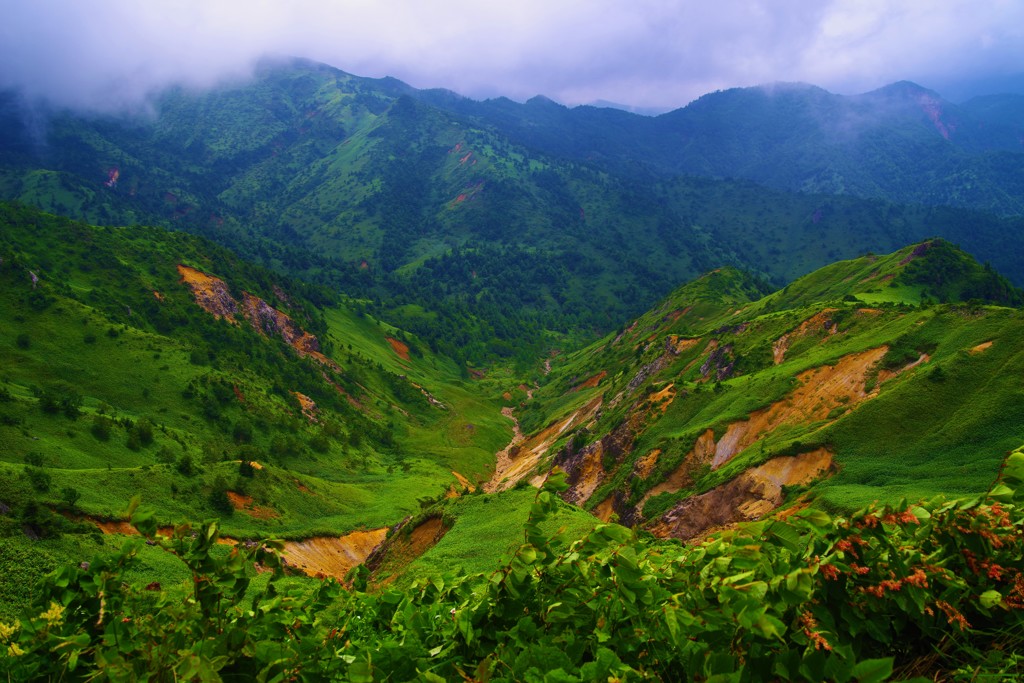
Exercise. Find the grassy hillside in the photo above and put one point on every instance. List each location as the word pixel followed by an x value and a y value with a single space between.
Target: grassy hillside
pixel 487 229
pixel 850 385
pixel 118 383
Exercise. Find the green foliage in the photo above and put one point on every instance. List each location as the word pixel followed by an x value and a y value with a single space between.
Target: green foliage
pixel 926 590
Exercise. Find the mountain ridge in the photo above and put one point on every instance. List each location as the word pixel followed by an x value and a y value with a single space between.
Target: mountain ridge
pixel 356 183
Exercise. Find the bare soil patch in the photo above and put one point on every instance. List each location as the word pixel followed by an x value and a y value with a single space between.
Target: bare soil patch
pixel 981 348
pixel 749 496
pixel 401 349
pixel 324 556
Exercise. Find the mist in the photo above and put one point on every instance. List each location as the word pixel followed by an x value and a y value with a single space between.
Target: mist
pixel 111 55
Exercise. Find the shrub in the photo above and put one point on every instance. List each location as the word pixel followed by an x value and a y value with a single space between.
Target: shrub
pixel 101 427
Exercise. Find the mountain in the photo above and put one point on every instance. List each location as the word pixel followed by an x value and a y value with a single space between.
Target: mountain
pixel 495 230
pixel 902 143
pixel 145 362
pixel 849 385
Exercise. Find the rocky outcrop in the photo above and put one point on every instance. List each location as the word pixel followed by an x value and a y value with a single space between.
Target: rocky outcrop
pixel 213 296
pixel 273 322
pixel 211 293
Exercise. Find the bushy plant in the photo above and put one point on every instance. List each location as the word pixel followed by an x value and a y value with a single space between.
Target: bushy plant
pixel 931 590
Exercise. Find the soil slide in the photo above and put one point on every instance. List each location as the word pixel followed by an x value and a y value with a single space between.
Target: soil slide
pixel 751 495
pixel 246 504
pixel 503 458
pixel 400 349
pixel 980 348
pixel 682 477
pixel 519 459
pixel 402 547
pixel 463 482
pixel 821 390
pixel 820 323
pixel 592 382
pixel 324 556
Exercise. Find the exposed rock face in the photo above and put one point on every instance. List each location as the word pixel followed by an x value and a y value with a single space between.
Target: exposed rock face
pixel 273 322
pixel 214 297
pixel 751 495
pixel 211 293
pixel 719 364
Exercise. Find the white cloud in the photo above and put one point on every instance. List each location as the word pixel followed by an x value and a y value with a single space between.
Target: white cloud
pixel 107 53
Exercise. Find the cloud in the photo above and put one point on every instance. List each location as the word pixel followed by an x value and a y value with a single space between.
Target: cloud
pixel 109 54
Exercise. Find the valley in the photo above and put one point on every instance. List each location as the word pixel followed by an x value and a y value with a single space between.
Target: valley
pixel 335 345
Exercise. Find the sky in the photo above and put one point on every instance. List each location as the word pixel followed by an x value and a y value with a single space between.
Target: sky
pixel 646 54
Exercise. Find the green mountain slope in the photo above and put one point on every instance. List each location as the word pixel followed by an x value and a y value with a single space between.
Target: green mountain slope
pixel 456 225
pixel 903 142
pixel 150 363
pixel 720 405
pixel 140 361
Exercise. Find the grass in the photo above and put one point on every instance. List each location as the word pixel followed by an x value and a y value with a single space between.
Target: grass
pixel 486 530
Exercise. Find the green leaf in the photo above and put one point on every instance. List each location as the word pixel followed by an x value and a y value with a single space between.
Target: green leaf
pixel 1002 493
pixel 873 670
pixel 556 481
pixel 990 599
pixel 528 554
pixel 133 504
pixel 360 672
pixel 787 535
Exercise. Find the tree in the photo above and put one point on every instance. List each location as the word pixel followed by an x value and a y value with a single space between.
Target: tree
pixel 70 496
pixel 218 498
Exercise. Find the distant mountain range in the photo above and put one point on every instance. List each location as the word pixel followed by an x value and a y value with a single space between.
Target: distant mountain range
pixel 502 219
pixel 364 318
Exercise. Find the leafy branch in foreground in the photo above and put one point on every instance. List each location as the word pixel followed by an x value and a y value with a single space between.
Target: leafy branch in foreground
pixel 934 590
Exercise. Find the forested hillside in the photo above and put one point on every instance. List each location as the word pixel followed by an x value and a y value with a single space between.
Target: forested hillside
pixel 285 362
pixel 482 225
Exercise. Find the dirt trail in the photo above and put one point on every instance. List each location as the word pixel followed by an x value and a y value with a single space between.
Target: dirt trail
pixel 504 462
pixel 324 556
